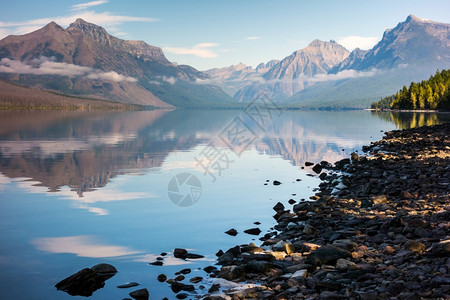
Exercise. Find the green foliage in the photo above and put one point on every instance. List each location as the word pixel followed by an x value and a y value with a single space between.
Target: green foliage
pixel 428 94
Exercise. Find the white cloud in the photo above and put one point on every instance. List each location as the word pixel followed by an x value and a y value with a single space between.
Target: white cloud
pixel 252 38
pixel 341 75
pixel 362 42
pixel 200 50
pixel 81 245
pixel 88 4
pixel 47 66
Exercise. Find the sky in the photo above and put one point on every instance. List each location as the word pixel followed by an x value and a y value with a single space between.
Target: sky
pixel 220 33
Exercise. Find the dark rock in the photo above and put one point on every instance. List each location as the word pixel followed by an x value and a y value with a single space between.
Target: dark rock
pixel 325 255
pixel 214 288
pixel 317 168
pixel 194 256
pixel 180 253
pixel 253 231
pixel 232 272
pixel 258 266
pixel 276 182
pixel 278 207
pixel 156 263
pixel 179 278
pixel 322 176
pixel 232 232
pixel 257 223
pixel 441 249
pixel 308 164
pixel 219 253
pixel 182 296
pixel 162 277
pixel 414 246
pixel 179 286
pixel 210 269
pixel 87 281
pixel 128 285
pixel 226 259
pixel 291 201
pixel 184 271
pixel 140 294
pixel 196 279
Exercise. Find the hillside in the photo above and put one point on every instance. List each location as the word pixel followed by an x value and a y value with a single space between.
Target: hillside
pixel 17 97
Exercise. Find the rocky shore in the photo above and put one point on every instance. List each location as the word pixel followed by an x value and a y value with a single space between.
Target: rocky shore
pixel 379 228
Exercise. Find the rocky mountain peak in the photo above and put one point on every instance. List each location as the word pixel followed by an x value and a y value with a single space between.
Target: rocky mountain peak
pixel 93 31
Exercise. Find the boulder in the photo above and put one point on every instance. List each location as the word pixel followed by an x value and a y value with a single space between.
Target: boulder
pixel 325 255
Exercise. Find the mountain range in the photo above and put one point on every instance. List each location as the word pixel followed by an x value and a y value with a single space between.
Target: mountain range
pixel 326 75
pixel 85 61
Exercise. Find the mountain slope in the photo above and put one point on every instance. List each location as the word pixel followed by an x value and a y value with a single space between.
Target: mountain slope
pixel 411 51
pixel 289 75
pixel 85 60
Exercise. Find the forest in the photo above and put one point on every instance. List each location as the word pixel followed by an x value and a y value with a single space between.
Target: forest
pixel 431 94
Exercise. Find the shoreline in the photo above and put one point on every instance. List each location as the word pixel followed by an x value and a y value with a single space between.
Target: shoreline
pixel 379 228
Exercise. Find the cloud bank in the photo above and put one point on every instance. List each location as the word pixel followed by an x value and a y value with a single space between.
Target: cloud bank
pixel 88 4
pixel 47 66
pixel 352 42
pixel 200 50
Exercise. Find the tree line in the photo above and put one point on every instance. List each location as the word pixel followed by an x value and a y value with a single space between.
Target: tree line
pixel 426 95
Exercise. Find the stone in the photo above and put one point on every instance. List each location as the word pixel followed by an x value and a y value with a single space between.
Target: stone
pixel 214 288
pixel 276 182
pixel 156 263
pixel 226 259
pixel 309 230
pixel 182 296
pixel 85 282
pixel 184 271
pixel 140 294
pixel 128 285
pixel 300 274
pixel 180 253
pixel 232 272
pixel 162 277
pixel 290 248
pixel 414 246
pixel 278 207
pixel 258 266
pixel 379 199
pixel 441 249
pixel 325 255
pixel 253 231
pixel 179 278
pixel 194 256
pixel 196 279
pixel 232 232
pixel 317 168
pixel 308 164
pixel 210 269
pixel 344 264
pixel 179 286
pixel 345 244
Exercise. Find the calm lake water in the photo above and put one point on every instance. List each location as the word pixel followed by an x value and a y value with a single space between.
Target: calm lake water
pixel 82 188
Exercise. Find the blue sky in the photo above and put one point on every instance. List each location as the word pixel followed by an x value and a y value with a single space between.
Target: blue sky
pixel 215 33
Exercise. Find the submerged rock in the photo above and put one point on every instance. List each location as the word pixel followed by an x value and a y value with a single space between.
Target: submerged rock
pixel 87 281
pixel 141 294
pixel 232 232
pixel 253 231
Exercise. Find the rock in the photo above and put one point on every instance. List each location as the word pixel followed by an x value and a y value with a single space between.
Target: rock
pixel 291 201
pixel 180 253
pixel 179 286
pixel 140 294
pixel 194 256
pixel 196 279
pixel 182 296
pixel 214 288
pixel 258 266
pixel 414 246
pixel 210 269
pixel 308 164
pixel 179 278
pixel 226 259
pixel 156 263
pixel 87 281
pixel 253 231
pixel 309 230
pixel 389 250
pixel 128 285
pixel 279 207
pixel 322 176
pixel 380 199
pixel 232 232
pixel 104 269
pixel 276 182
pixel 441 249
pixel 183 271
pixel 290 248
pixel 343 264
pixel 345 244
pixel 325 255
pixel 317 168
pixel 300 274
pixel 162 277
pixel 232 272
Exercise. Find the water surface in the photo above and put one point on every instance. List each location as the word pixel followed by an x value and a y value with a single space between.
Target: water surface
pixel 82 188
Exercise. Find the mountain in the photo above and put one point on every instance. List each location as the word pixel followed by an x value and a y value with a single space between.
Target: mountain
pixel 411 51
pixel 235 77
pixel 85 60
pixel 281 79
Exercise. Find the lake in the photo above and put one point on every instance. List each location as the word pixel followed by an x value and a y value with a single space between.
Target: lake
pixel 82 188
